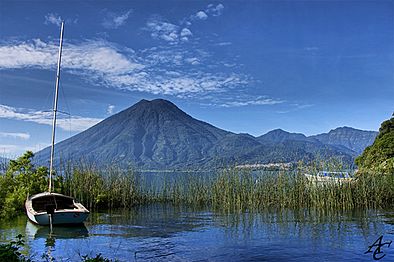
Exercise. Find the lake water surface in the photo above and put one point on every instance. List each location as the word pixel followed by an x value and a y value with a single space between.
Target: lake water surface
pixel 163 232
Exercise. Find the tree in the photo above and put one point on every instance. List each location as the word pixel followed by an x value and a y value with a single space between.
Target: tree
pixel 379 157
pixel 20 180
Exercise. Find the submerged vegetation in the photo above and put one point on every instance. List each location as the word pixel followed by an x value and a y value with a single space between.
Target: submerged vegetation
pixel 11 252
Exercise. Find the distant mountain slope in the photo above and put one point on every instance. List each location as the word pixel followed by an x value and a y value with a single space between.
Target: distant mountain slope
pixel 354 139
pixel 150 134
pixel 157 134
pixel 279 136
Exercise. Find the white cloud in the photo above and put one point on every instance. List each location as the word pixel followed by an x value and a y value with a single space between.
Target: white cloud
pixel 110 109
pixel 211 10
pixel 163 30
pixel 302 106
pixel 260 100
pixel 37 147
pixel 113 20
pixel 223 43
pixel 172 33
pixel 193 61
pixel 53 18
pixel 23 136
pixel 14 151
pixel 215 10
pixel 200 15
pixel 73 123
pixel 92 56
pixel 311 48
pixel 294 107
pixel 185 34
pixel 7 149
pixel 105 64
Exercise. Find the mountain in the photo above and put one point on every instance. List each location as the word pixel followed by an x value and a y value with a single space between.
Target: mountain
pixel 346 139
pixel 279 135
pixel 150 134
pixel 158 135
pixel 354 139
pixel 380 155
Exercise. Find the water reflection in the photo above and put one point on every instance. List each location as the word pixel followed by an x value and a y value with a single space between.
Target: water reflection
pixel 164 232
pixel 156 220
pixel 50 234
pixel 34 231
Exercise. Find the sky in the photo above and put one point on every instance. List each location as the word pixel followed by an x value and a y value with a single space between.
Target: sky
pixel 244 66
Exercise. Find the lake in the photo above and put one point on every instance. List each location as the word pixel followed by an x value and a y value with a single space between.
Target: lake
pixel 163 232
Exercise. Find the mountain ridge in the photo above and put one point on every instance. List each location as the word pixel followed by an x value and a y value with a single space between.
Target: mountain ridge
pixel 157 134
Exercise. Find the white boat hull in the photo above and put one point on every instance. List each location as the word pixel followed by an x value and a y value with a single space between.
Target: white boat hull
pixel 328 179
pixel 64 209
pixel 58 218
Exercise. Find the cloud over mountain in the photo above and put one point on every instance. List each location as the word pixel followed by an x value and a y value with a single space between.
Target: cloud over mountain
pixel 71 123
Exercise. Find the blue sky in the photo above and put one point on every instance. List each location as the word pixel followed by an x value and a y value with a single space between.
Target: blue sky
pixel 244 66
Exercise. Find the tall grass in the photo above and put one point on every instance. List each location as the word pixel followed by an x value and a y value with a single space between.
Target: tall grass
pixel 111 188
pixel 227 190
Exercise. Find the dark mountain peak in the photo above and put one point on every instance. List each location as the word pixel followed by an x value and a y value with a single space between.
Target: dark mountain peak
pixel 154 102
pixel 157 104
pixel 278 131
pixel 349 129
pixel 354 139
pixel 279 135
pixel 343 129
pixel 150 110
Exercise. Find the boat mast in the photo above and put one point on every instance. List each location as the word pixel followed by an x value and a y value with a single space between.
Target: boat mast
pixel 55 106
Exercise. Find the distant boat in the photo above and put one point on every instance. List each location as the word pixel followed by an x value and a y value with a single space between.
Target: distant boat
pixel 50 208
pixel 326 177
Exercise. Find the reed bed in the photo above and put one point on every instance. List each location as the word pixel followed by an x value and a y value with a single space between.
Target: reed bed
pixel 229 190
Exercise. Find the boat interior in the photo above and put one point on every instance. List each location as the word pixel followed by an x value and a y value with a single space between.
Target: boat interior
pixel 50 203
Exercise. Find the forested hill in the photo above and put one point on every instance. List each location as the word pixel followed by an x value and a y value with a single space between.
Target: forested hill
pixel 380 155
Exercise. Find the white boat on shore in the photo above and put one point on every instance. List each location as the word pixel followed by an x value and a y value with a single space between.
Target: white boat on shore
pixel 44 207
pixel 326 177
pixel 50 208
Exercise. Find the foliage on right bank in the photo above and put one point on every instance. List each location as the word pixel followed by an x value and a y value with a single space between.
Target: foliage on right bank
pixel 379 157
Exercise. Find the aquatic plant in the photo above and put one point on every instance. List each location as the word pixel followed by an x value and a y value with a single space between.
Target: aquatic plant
pixel 229 189
pixel 97 258
pixel 10 252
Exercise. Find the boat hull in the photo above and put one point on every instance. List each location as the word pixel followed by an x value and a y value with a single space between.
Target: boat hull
pixel 46 208
pixel 321 180
pixel 58 218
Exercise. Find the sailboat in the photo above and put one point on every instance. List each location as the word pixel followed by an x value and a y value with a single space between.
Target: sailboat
pixel 49 208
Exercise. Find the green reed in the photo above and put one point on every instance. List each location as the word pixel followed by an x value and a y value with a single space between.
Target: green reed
pixel 227 190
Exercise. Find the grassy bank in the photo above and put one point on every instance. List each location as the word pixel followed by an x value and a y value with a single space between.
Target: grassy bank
pixel 228 190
